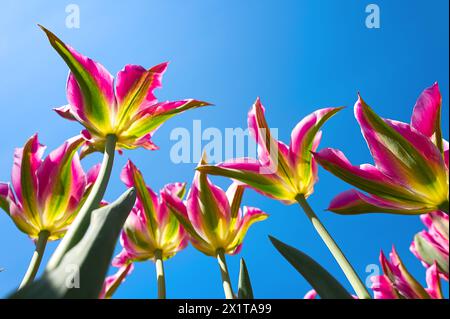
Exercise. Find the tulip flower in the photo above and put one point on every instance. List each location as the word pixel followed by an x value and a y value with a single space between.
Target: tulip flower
pixel 151 231
pixel 116 115
pixel 214 220
pixel 113 282
pixel 46 194
pixel 410 175
pixel 287 173
pixel 431 246
pixel 398 283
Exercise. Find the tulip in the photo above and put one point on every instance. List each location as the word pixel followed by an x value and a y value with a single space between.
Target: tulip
pixel 113 282
pixel 46 194
pixel 116 115
pixel 410 175
pixel 431 246
pixel 287 173
pixel 214 220
pixel 398 283
pixel 151 231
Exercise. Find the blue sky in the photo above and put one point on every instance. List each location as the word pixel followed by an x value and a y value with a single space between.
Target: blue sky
pixel 296 55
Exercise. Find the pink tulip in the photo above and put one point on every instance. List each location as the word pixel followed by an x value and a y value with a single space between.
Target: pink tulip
pixel 281 172
pixel 125 108
pixel 150 227
pixel 431 245
pixel 410 175
pixel 46 194
pixel 398 283
pixel 212 217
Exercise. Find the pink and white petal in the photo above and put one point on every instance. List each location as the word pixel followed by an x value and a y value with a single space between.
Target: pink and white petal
pixel 353 202
pixel 393 153
pixel 250 172
pixel 383 288
pixel 434 288
pixel 304 135
pixel 24 178
pixel 426 113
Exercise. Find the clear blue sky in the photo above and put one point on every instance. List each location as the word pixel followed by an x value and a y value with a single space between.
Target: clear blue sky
pixel 297 55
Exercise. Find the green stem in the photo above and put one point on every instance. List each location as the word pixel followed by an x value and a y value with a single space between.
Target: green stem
pixel 343 262
pixel 36 259
pixel 160 277
pixel 82 221
pixel 226 282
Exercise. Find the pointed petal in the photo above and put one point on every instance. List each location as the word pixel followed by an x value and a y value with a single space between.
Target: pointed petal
pixel 132 177
pixel 153 117
pixel 382 288
pixel 252 173
pixel 61 180
pixel 271 152
pixel 366 177
pixel 90 89
pixel 426 115
pixel 134 87
pixel 353 202
pixel 250 216
pixel 393 153
pixel 303 139
pixel 234 194
pixel 208 210
pixel 24 179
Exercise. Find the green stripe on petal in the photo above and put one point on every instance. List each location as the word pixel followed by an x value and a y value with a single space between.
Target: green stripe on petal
pixel 96 101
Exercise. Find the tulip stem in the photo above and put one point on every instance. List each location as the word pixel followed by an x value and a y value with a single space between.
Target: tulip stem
pixel 226 282
pixel 35 262
pixel 337 253
pixel 82 221
pixel 160 277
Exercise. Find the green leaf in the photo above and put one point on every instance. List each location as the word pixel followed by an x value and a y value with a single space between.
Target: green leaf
pixel 245 286
pixel 82 270
pixel 321 280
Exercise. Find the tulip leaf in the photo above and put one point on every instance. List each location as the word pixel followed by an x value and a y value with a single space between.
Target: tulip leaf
pixel 245 286
pixel 326 286
pixel 82 270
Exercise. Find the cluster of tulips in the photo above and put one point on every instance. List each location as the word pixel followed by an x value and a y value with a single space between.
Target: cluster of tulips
pixel 52 198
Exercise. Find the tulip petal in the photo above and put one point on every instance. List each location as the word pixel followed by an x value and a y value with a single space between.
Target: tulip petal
pixel 303 137
pixel 153 117
pixel 250 172
pixel 400 278
pixel 134 89
pixel 434 288
pixel 24 178
pixel 394 155
pixel 250 216
pixel 366 177
pixel 353 202
pixel 132 177
pixel 426 117
pixel 90 89
pixel 271 152
pixel 382 288
pixel 61 180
